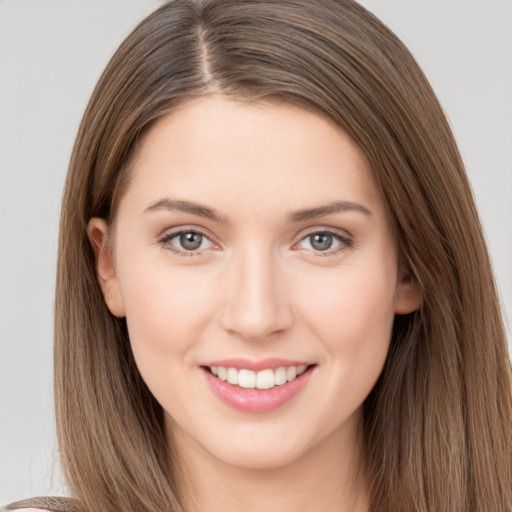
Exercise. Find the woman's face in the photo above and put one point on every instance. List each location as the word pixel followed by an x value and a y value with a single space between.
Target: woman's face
pixel 252 238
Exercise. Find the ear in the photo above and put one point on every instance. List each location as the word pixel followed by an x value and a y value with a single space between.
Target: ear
pixel 105 268
pixel 408 292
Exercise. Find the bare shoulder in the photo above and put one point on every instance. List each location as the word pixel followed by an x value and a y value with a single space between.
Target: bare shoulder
pixel 45 504
pixel 29 509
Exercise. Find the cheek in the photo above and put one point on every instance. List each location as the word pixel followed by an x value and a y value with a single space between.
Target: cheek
pixel 166 309
pixel 352 312
pixel 351 317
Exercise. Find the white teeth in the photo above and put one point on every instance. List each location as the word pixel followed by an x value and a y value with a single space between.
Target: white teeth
pixel 264 379
pixel 232 376
pixel 247 379
pixel 280 376
pixel 291 373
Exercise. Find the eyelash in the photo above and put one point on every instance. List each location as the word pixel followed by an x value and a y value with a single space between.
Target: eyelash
pixel 183 253
pixel 344 241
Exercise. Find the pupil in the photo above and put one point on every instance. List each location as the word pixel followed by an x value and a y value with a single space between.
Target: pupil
pixel 321 241
pixel 191 241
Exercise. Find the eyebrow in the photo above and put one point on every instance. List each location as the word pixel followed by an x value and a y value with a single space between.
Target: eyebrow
pixel 186 207
pixel 214 215
pixel 337 206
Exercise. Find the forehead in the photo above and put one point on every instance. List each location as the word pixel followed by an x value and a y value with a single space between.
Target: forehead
pixel 240 152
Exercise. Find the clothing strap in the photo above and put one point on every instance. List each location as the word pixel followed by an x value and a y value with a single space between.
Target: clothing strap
pixel 51 503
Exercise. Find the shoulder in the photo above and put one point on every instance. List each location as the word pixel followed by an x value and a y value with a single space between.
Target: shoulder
pixel 45 504
pixel 28 509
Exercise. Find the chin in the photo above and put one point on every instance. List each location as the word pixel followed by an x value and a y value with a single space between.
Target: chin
pixel 251 446
pixel 260 457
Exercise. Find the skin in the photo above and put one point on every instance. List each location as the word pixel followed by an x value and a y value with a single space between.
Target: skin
pixel 257 287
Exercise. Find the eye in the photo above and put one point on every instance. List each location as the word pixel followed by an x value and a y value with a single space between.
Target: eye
pixel 324 241
pixel 187 241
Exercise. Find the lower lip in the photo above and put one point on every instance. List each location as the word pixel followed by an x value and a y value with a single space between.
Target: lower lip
pixel 256 400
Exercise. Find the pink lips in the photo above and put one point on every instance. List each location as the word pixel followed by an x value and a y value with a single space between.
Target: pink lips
pixel 256 400
pixel 256 366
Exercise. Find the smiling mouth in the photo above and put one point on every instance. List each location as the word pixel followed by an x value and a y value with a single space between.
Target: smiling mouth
pixel 263 379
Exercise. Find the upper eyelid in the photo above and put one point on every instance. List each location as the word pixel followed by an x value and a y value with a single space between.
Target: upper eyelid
pixel 342 233
pixel 172 232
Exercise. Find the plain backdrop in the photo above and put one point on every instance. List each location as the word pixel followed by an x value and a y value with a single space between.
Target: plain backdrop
pixel 51 54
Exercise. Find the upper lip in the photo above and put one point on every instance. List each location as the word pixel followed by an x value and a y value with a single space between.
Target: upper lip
pixel 257 365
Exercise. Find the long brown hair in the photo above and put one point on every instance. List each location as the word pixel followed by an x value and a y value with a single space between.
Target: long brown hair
pixel 438 424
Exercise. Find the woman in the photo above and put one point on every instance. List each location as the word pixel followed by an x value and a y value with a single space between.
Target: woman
pixel 273 288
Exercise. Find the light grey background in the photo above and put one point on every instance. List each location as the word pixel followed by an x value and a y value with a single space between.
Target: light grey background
pixel 51 54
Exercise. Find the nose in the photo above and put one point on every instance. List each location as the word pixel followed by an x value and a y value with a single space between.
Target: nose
pixel 256 304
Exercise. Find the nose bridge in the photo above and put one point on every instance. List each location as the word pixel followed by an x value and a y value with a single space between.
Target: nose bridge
pixel 257 304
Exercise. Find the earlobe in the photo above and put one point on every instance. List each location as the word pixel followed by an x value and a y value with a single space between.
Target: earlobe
pixel 408 293
pixel 105 268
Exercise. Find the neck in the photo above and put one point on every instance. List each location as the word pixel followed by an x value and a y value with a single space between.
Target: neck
pixel 328 478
